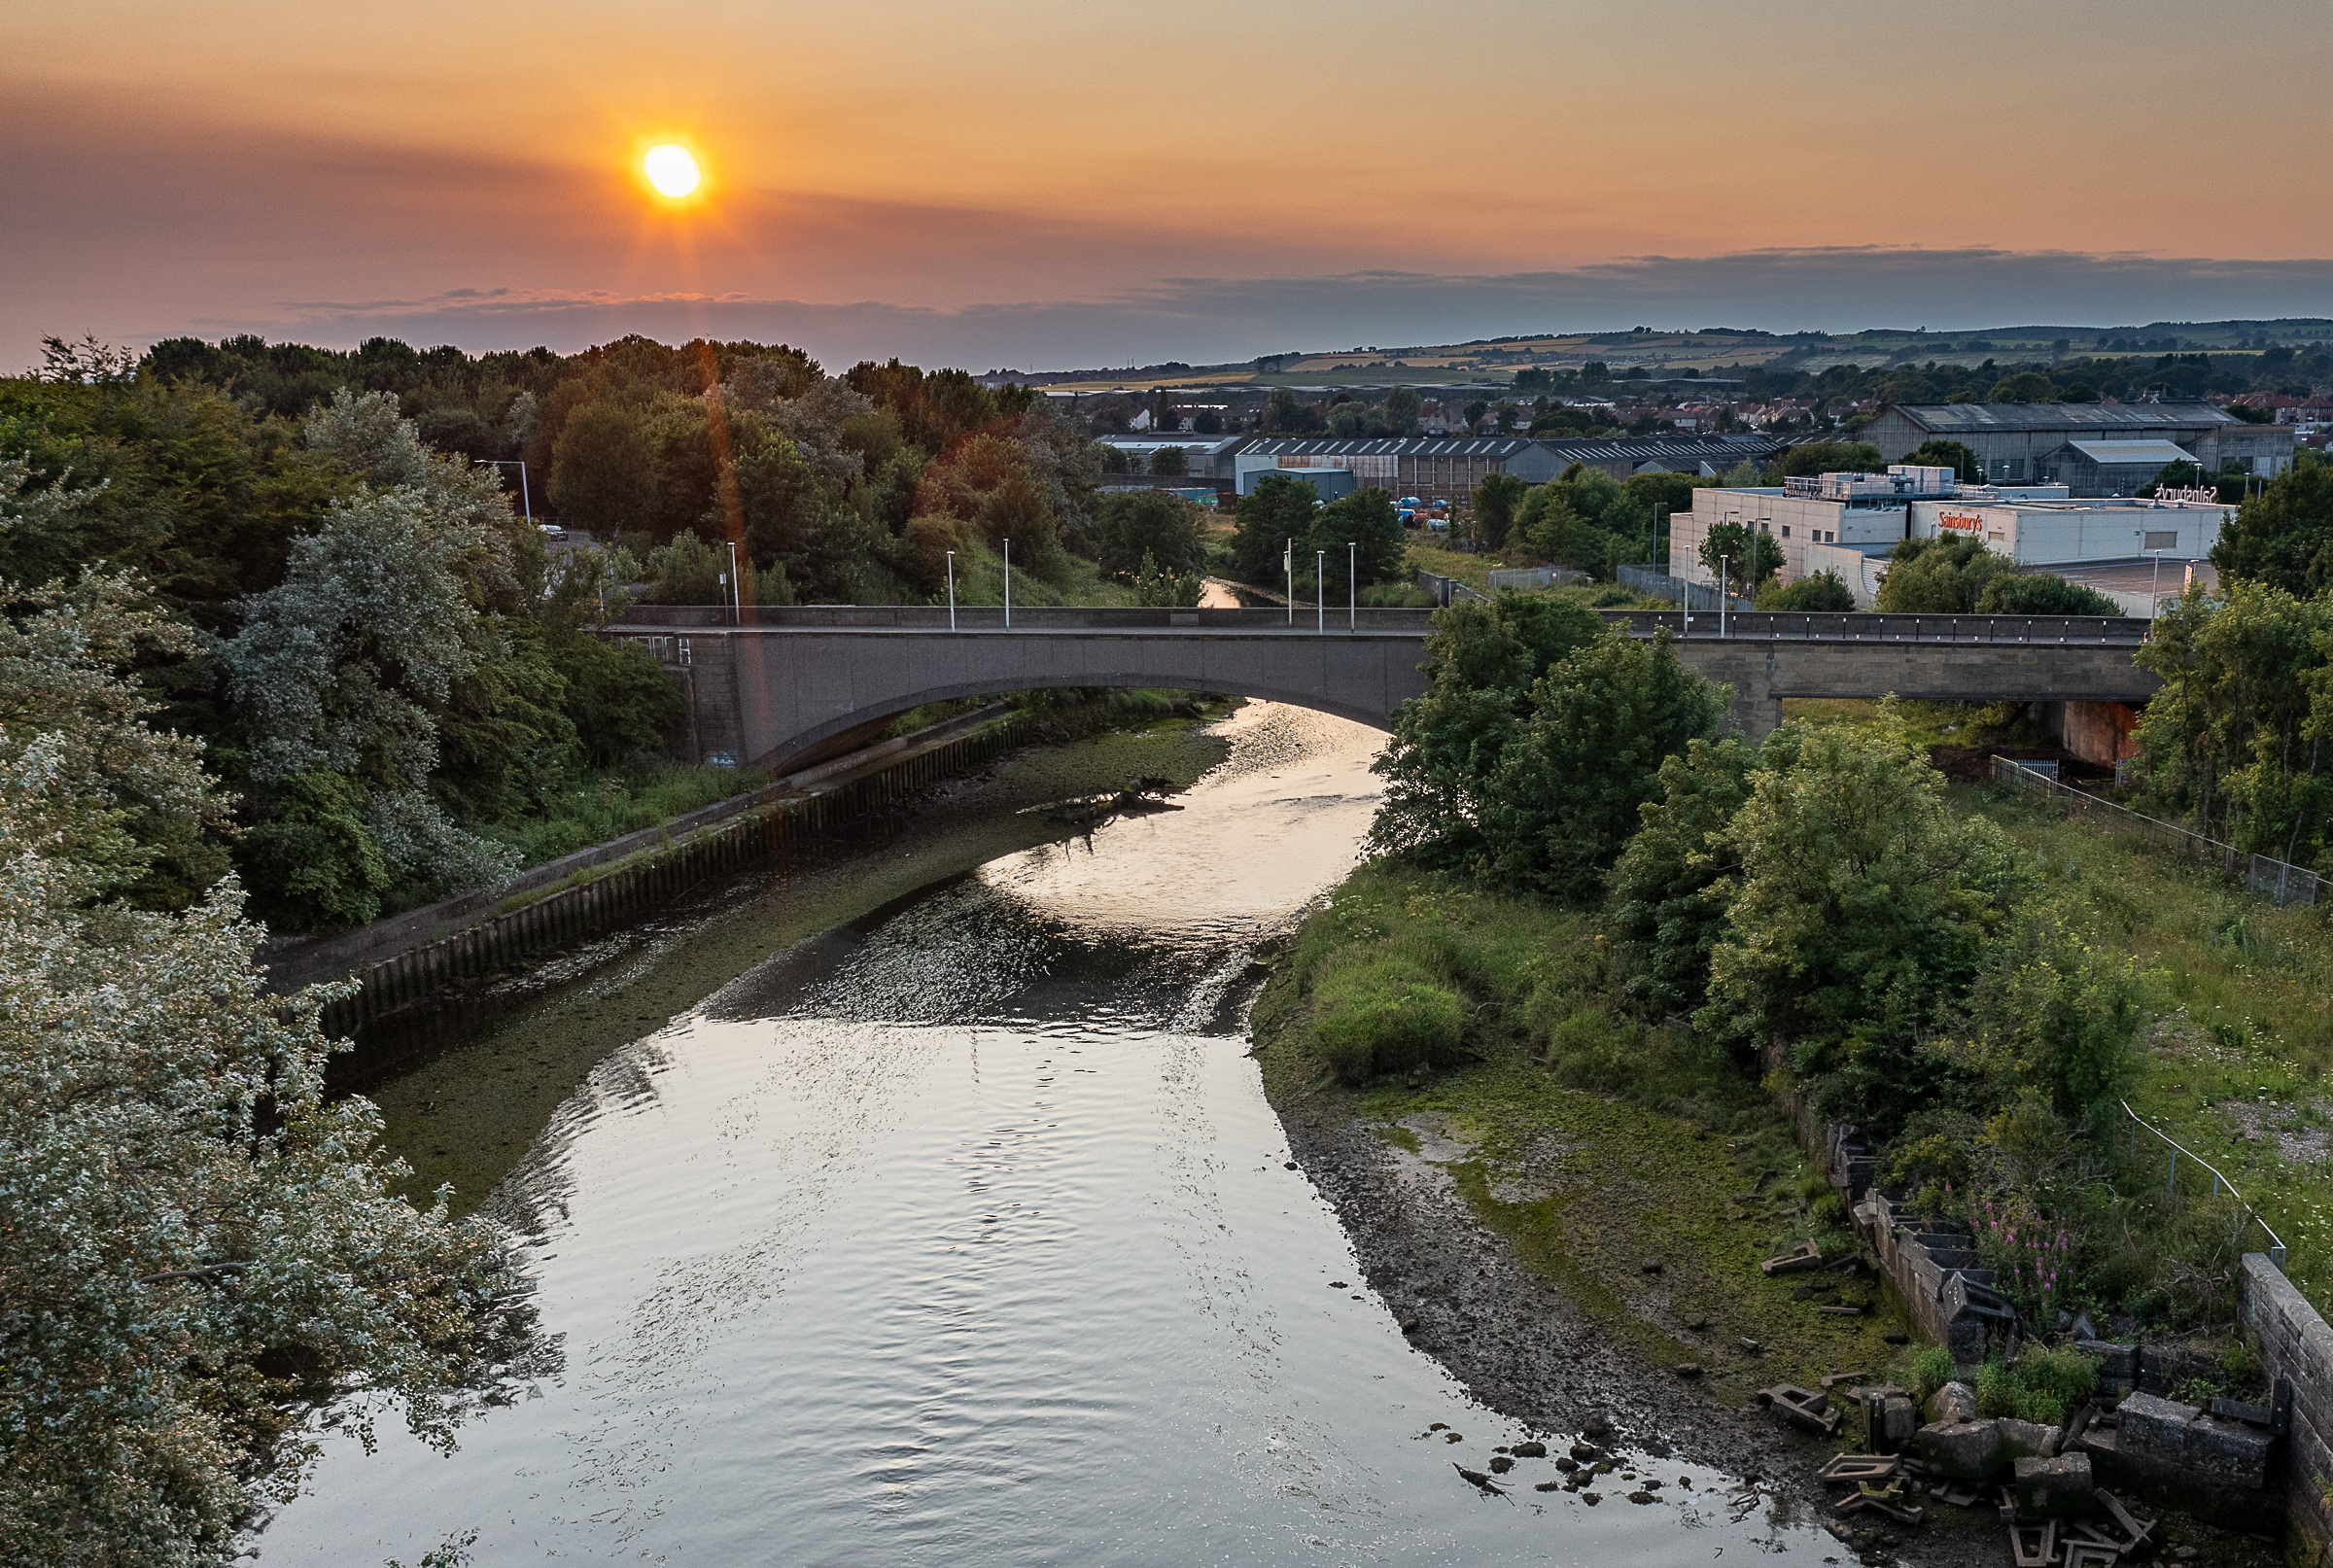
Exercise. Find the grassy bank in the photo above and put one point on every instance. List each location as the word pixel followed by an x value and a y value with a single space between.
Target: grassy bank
pixel 1591 1142
pixel 2242 1035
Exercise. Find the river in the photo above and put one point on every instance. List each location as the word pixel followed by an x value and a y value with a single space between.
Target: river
pixel 961 1232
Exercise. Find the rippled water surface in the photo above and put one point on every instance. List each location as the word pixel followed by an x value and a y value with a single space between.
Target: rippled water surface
pixel 961 1235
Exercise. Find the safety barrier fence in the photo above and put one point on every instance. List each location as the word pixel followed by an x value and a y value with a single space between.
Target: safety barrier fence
pixel 2277 880
pixel 2183 1161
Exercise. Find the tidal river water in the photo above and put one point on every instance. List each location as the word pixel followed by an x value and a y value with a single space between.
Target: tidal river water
pixel 961 1234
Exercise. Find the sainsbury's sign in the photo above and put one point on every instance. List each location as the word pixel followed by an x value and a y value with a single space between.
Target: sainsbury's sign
pixel 1966 522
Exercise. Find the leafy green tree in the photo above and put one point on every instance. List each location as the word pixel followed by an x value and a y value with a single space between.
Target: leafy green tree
pixel 2042 593
pixel 1366 519
pixel 1277 510
pixel 1938 576
pixel 1820 591
pixel 1476 412
pixel 1170 461
pixel 1495 503
pixel 1402 407
pixel 1566 796
pixel 1864 906
pixel 202 1245
pixel 1748 556
pixel 1139 525
pixel 2240 740
pixel 1163 589
pixel 1673 882
pixel 1482 661
pixel 600 474
pixel 1583 518
pixel 1287 414
pixel 1943 453
pixel 2027 386
pixel 1833 457
pixel 2283 536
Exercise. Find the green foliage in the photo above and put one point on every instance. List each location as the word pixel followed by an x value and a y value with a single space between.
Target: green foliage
pixel 1495 503
pixel 2027 386
pixel 1367 521
pixel 1279 509
pixel 1397 596
pixel 1672 885
pixel 647 790
pixel 2040 593
pixel 1820 591
pixel 1377 1014
pixel 1162 589
pixel 313 856
pixel 2283 538
pixel 1748 556
pixel 1943 454
pixel 1833 457
pixel 1864 906
pixel 2237 738
pixel 1939 576
pixel 1586 519
pixel 1927 1368
pixel 1565 797
pixel 2042 1386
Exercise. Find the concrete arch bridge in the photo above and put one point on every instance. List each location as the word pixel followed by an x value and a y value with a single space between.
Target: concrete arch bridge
pixel 793 685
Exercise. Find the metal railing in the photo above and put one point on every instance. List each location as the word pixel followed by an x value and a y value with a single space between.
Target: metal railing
pixel 2277 880
pixel 1527 579
pixel 2245 1211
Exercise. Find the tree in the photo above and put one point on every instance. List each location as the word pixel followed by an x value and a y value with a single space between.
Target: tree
pixel 1403 405
pixel 2239 738
pixel 1139 525
pixel 1822 591
pixel 1367 520
pixel 2042 593
pixel 1279 509
pixel 1938 576
pixel 1565 799
pixel 1673 882
pixel 1746 555
pixel 202 1245
pixel 1943 453
pixel 2283 536
pixel 1582 518
pixel 1482 661
pixel 2027 386
pixel 1496 502
pixel 1833 457
pixel 1864 904
pixel 1286 414
pixel 1169 460
pixel 1475 411
pixel 1208 422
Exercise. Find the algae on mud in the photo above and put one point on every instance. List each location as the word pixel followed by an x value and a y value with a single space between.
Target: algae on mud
pixel 1641 1173
pixel 467 1115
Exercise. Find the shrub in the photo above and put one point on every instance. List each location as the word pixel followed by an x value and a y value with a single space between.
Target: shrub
pixel 1365 1029
pixel 1928 1369
pixel 2041 1385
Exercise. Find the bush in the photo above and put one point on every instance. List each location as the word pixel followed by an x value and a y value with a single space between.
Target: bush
pixel 1928 1369
pixel 2041 1385
pixel 1373 1020
pixel 1823 591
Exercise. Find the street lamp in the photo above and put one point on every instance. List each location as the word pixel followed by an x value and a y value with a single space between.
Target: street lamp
pixel 1320 606
pixel 1722 560
pixel 736 585
pixel 1288 565
pixel 1008 584
pixel 508 462
pixel 1352 587
pixel 952 590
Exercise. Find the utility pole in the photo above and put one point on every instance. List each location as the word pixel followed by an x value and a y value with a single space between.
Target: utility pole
pixel 513 463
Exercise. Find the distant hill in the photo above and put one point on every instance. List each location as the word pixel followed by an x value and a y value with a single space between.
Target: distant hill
pixel 1711 351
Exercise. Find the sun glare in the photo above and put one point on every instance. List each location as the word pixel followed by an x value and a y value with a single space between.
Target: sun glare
pixel 672 169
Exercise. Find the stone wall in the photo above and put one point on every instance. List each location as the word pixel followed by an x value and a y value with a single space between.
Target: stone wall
pixel 2297 1346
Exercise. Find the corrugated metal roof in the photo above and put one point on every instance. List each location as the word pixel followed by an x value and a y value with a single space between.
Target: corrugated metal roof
pixel 2152 453
pixel 1390 446
pixel 1645 449
pixel 1951 418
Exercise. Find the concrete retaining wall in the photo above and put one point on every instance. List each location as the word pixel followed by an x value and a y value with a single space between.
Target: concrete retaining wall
pixel 2297 1345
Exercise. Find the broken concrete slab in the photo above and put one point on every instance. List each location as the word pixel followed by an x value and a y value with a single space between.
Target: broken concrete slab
pixel 1804 1256
pixel 2019 1439
pixel 1954 1402
pixel 2156 1434
pixel 1966 1450
pixel 2059 1488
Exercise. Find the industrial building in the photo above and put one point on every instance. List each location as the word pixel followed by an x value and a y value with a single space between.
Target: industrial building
pixel 1623 457
pixel 2092 448
pixel 1206 460
pixel 1848 524
pixel 1435 469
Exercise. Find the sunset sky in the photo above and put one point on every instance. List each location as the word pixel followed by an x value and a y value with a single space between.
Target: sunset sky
pixel 1054 182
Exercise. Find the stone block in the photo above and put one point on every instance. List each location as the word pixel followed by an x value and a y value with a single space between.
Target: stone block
pixel 2152 1430
pixel 1969 1450
pixel 1898 1421
pixel 2058 1488
pixel 2023 1438
pixel 2176 1444
pixel 1954 1402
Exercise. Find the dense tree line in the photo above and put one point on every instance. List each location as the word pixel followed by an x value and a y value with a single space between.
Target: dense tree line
pixel 388 669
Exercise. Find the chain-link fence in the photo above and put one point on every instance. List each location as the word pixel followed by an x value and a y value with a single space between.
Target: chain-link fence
pixel 2275 881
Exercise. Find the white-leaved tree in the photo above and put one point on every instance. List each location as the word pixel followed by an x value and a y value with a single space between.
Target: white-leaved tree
pixel 339 671
pixel 196 1244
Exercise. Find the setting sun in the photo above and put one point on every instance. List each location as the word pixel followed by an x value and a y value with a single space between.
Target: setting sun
pixel 672 169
